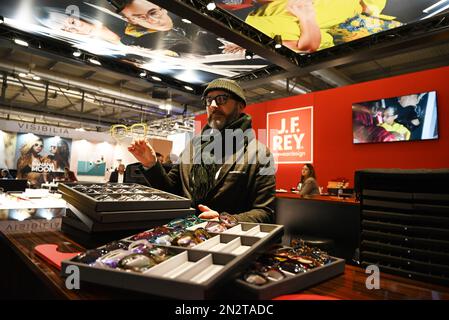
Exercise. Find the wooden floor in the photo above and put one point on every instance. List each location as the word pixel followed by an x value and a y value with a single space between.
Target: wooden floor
pixel 350 285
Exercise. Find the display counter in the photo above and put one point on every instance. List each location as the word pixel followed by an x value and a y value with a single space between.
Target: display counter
pixel 29 276
pixel 321 216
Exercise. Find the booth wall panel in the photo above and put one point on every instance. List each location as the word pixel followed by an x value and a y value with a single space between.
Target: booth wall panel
pixel 334 153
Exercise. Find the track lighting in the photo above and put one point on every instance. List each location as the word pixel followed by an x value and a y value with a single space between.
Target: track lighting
pixel 278 41
pixel 211 6
pixel 21 42
pixel 95 61
pixel 249 55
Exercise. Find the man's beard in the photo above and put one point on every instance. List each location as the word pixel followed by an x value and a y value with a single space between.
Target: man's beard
pixel 217 120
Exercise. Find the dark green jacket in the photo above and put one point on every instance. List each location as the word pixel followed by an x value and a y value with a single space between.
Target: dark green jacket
pixel 240 188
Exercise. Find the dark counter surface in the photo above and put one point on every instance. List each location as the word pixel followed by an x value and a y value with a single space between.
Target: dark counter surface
pixel 20 251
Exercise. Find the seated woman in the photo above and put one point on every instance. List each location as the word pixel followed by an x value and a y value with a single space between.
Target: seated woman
pixel 69 175
pixel 308 185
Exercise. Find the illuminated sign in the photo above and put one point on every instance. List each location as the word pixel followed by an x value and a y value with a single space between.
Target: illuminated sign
pixel 290 135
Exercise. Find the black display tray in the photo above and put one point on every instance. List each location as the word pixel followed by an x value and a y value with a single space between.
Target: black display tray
pixel 92 240
pixel 116 190
pixel 128 216
pixel 291 284
pixel 195 274
pixel 86 224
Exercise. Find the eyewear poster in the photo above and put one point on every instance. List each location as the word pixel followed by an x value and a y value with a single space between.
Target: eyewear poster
pixel 41 158
pixel 7 149
pixel 138 32
pixel 311 25
pixel 290 135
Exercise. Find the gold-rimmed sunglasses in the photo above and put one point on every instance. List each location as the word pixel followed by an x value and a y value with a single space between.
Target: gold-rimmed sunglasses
pixel 135 131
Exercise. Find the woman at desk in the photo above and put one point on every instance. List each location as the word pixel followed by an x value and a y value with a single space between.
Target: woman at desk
pixel 308 185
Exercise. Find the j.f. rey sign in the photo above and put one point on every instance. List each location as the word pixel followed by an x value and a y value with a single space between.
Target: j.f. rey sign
pixel 290 135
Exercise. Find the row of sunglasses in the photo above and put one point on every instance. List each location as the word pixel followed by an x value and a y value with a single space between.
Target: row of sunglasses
pixel 130 197
pixel 141 250
pixel 107 185
pixel 137 256
pixel 271 266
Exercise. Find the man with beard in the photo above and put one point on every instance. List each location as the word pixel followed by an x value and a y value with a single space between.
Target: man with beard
pixel 223 170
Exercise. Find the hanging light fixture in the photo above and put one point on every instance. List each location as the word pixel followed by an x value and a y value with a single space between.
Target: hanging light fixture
pixel 211 6
pixel 278 41
pixel 21 42
pixel 249 55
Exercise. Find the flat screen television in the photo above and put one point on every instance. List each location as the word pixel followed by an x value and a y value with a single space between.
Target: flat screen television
pixel 409 117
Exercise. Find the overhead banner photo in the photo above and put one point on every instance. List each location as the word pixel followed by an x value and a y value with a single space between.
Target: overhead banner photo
pixel 290 136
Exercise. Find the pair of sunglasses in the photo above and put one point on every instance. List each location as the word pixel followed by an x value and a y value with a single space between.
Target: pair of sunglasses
pixel 261 274
pixel 144 257
pixel 225 222
pixel 153 233
pixel 220 100
pixel 189 239
pixel 90 256
pixel 183 223
pixel 284 263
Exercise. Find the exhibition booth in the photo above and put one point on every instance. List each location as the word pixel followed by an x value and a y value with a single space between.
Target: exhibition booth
pixel 375 226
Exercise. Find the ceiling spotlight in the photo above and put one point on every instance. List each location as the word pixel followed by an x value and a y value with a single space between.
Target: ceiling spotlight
pixel 186 21
pixel 211 6
pixel 36 78
pixel 278 41
pixel 77 53
pixel 21 42
pixel 95 61
pixel 272 91
pixel 22 75
pixel 156 78
pixel 188 88
pixel 249 55
pixel 143 74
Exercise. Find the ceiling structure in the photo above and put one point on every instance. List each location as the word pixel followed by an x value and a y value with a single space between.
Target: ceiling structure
pixel 44 87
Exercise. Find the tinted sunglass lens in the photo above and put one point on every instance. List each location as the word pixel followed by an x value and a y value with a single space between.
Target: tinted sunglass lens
pixel 274 274
pixel 136 262
pixel 293 267
pixel 88 257
pixel 255 278
pixel 221 99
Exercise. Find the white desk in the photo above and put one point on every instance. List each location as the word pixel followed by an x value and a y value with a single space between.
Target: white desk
pixel 32 198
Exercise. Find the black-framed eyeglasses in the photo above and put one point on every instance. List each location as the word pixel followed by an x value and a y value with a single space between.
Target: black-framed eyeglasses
pixel 220 100
pixel 38 145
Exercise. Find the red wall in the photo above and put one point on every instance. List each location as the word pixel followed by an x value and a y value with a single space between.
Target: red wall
pixel 334 153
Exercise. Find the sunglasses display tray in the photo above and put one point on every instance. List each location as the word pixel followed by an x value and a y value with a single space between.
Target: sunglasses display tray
pixel 125 217
pixel 292 283
pixel 99 197
pixel 190 273
pixel 76 219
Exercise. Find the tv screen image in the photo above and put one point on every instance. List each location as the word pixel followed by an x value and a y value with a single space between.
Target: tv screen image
pixel 409 117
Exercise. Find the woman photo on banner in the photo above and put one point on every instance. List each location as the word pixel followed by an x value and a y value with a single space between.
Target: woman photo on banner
pixel 30 162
